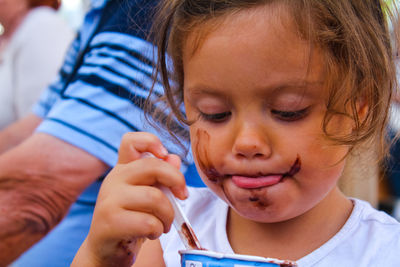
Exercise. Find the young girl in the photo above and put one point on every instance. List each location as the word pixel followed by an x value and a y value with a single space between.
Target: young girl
pixel 276 94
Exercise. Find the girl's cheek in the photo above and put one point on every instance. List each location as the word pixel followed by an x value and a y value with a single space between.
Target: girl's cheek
pixel 211 177
pixel 201 151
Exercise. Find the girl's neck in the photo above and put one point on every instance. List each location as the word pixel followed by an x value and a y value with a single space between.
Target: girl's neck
pixel 292 239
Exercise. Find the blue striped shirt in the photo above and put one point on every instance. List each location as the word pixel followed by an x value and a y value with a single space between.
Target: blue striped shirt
pixel 103 98
pixel 100 103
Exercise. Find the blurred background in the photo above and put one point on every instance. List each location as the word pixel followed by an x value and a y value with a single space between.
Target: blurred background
pixel 71 10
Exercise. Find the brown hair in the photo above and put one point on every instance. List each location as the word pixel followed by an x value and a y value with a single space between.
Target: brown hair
pixel 55 4
pixel 353 34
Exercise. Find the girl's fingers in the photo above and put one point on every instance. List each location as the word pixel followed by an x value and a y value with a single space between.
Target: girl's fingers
pixel 148 200
pixel 174 160
pixel 110 227
pixel 116 234
pixel 137 224
pixel 135 143
pixel 129 206
pixel 151 171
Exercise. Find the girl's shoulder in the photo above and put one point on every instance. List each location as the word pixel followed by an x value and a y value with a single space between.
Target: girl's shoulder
pixel 377 228
pixel 371 217
pixel 374 234
pixel 368 238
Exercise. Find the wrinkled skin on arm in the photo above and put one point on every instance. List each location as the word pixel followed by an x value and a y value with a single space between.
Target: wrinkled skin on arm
pixel 17 132
pixel 39 180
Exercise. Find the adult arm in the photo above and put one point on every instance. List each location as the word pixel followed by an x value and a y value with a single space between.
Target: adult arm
pixel 39 180
pixel 17 132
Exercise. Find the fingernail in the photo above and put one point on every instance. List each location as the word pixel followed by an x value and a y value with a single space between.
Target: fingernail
pixel 164 151
pixel 146 155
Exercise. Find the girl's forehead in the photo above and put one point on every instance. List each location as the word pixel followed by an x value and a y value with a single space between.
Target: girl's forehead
pixel 257 49
pixel 274 14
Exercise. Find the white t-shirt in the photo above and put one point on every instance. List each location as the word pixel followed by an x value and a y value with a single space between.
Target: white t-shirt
pixel 368 238
pixel 30 61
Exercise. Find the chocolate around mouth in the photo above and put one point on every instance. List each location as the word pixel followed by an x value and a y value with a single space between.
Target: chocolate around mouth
pixel 294 169
pixel 213 175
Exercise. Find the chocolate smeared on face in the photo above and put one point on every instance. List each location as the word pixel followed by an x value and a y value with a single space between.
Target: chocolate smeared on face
pixel 203 159
pixel 256 199
pixel 255 196
pixel 212 174
pixel 294 169
pixel 261 205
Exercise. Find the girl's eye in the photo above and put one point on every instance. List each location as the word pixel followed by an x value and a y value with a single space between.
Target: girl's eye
pixel 216 117
pixel 290 115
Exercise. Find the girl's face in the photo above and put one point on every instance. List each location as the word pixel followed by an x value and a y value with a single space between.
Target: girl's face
pixel 258 103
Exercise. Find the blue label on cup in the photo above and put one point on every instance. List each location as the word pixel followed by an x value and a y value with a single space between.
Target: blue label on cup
pixel 204 258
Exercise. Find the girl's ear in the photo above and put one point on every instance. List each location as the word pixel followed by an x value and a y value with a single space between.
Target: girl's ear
pixel 362 108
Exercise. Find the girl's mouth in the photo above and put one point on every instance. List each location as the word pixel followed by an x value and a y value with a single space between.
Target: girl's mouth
pixel 256 182
pixel 253 182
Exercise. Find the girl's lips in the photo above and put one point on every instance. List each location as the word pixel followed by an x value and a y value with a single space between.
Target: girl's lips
pixel 256 182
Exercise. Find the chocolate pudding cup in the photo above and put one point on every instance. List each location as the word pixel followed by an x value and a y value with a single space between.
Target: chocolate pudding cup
pixel 205 258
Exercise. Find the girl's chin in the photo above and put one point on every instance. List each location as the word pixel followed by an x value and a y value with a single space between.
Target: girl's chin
pixel 258 198
pixel 264 204
pixel 259 211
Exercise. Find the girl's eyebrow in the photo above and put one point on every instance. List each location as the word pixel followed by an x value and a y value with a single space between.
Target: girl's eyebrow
pixel 205 90
pixel 295 85
pixel 270 89
pixel 202 89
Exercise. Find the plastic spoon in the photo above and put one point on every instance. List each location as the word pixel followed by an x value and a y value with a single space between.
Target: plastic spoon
pixel 181 223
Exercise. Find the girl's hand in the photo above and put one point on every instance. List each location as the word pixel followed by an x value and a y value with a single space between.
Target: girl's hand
pixel 130 208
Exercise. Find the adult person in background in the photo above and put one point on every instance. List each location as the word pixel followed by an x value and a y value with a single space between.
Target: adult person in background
pixel 32 49
pixel 390 184
pixel 79 122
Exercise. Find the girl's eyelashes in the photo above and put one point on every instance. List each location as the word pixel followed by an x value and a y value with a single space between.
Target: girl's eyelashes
pixel 215 117
pixel 283 115
pixel 290 116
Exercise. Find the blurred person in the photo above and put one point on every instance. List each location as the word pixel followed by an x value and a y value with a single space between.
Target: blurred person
pixel 32 48
pixel 53 160
pixel 391 200
pixel 390 196
pixel 390 184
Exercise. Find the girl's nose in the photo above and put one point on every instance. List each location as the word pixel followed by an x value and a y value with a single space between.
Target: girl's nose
pixel 251 143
